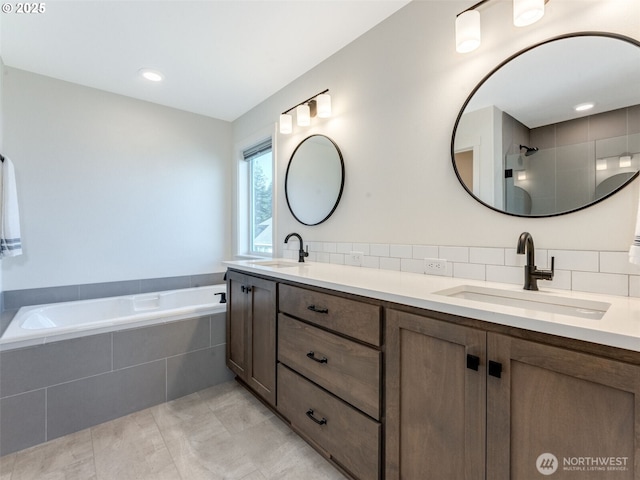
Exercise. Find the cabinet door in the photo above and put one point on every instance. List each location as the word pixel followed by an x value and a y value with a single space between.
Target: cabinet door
pixel 261 375
pixel 561 413
pixel 237 324
pixel 436 400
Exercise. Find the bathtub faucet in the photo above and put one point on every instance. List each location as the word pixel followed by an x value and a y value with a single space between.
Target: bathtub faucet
pixel 301 252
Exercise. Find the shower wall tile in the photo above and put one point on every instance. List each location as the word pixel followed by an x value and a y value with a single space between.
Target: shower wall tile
pixel 31 368
pixel 22 421
pixel 572 132
pixel 633 119
pixel 140 345
pixel 81 404
pixel 543 137
pixel 608 124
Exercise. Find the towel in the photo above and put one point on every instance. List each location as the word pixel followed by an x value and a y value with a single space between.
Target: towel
pixel 10 242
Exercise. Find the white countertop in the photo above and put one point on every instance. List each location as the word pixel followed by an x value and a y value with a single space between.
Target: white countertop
pixel 619 327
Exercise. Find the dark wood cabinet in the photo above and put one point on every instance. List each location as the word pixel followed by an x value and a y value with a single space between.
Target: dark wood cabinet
pixel 435 399
pixel 456 393
pixel 329 376
pixel 251 332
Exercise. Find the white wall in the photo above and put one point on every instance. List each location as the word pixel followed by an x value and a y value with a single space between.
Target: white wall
pixel 111 188
pixel 396 92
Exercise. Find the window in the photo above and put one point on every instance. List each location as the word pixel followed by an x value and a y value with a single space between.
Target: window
pixel 260 215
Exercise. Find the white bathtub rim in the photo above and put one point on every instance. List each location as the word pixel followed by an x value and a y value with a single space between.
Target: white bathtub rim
pixel 93 328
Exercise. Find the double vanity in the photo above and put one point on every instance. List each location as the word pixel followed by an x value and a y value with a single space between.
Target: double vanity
pixel 395 375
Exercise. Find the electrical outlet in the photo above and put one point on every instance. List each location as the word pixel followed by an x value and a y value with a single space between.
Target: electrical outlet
pixel 435 266
pixel 355 259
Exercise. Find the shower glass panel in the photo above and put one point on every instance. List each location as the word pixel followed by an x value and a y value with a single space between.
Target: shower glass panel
pixel 564 178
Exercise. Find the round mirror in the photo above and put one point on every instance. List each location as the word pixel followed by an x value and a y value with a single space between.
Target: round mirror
pixel 315 179
pixel 553 129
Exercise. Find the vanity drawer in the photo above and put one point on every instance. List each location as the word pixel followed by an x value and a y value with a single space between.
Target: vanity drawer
pixel 349 317
pixel 348 369
pixel 351 438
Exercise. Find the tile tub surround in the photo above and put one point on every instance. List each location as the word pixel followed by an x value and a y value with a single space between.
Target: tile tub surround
pixel 220 432
pixel 12 300
pixel 54 389
pixel 591 271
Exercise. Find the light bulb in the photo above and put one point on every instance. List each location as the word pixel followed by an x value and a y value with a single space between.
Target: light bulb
pixel 303 115
pixel 467 31
pixel 323 105
pixel 286 123
pixel 526 12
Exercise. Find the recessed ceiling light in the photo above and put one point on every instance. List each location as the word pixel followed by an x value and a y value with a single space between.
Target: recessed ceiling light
pixel 584 106
pixel 151 75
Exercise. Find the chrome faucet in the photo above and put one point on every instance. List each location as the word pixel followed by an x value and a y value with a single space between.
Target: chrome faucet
pixel 301 252
pixel 531 273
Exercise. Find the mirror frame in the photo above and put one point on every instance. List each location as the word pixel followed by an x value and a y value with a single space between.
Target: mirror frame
pixel 486 78
pixel 286 180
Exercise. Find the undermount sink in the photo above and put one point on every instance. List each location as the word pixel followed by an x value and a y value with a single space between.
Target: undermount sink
pixel 527 300
pixel 276 264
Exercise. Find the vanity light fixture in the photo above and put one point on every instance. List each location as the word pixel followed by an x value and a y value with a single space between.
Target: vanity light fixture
pixel 151 74
pixel 601 163
pixel 318 105
pixel 525 12
pixel 625 161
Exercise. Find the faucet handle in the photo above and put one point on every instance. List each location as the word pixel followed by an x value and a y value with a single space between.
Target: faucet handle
pixel 306 253
pixel 553 261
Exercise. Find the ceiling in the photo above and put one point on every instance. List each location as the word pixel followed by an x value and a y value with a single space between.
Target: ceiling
pixel 543 85
pixel 220 58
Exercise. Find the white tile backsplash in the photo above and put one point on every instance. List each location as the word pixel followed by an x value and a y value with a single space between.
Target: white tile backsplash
pixel 588 271
pixel 454 254
pixel 388 263
pixel 617 262
pixel 486 255
pixel 422 251
pixel 609 283
pixel 583 261
pixel 473 271
pixel 401 251
pixel 379 249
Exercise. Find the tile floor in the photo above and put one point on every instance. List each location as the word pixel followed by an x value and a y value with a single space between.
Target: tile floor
pixel 222 432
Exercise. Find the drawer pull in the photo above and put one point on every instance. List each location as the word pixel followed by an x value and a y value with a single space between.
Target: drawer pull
pixel 313 308
pixel 319 422
pixel 473 362
pixel 312 356
pixel 495 369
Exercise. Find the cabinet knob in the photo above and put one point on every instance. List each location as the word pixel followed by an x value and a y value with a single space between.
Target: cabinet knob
pixel 322 421
pixel 473 362
pixel 495 369
pixel 312 356
pixel 313 308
